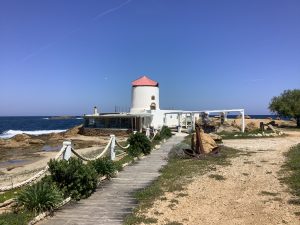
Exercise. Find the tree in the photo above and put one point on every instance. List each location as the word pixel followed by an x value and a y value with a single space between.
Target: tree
pixel 287 104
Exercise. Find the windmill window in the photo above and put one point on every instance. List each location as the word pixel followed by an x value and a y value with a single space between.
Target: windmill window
pixel 152 97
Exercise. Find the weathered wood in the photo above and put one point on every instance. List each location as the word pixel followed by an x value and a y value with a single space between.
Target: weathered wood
pixel 114 199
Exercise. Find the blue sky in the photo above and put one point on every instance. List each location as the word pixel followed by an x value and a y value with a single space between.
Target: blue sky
pixel 61 57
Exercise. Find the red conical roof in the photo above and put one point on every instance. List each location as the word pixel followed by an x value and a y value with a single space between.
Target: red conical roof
pixel 144 81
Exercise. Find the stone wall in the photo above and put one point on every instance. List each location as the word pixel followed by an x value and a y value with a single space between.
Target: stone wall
pixel 103 132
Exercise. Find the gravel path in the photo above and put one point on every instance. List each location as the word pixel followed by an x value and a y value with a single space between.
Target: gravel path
pixel 250 194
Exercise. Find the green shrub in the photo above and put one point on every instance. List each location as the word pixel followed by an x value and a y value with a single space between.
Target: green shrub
pixel 104 167
pixel 39 197
pixel 165 132
pixel 139 143
pixel 73 177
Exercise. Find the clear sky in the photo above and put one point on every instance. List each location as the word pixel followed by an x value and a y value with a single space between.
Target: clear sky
pixel 60 57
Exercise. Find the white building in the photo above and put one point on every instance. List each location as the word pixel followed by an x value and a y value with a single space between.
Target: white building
pixel 145 112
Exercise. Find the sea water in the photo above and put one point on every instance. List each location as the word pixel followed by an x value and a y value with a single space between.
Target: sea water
pixel 35 125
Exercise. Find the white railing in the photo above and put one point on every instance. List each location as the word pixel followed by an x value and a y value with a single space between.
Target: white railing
pixel 66 152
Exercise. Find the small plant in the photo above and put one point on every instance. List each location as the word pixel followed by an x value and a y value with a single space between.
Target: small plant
pixel 104 167
pixel 139 143
pixel 165 132
pixel 73 177
pixel 39 197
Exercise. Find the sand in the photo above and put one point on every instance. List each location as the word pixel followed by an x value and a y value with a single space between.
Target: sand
pixel 241 198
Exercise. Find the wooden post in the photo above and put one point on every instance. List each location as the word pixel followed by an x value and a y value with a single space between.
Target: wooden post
pixel 199 146
pixel 112 147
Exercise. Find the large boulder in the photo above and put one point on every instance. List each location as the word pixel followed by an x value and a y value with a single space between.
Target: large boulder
pixel 215 137
pixel 251 127
pixel 247 117
pixel 207 141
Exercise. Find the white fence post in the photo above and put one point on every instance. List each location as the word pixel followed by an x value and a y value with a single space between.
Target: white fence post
pixel 112 147
pixel 148 132
pixel 67 152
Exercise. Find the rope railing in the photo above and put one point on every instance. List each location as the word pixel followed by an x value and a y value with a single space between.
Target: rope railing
pixel 33 178
pixel 66 152
pixel 96 157
pixel 122 147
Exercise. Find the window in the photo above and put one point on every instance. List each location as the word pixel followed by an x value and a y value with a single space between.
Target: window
pixel 153 106
pixel 152 97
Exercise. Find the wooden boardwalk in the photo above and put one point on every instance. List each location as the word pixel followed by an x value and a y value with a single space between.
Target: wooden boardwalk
pixel 113 200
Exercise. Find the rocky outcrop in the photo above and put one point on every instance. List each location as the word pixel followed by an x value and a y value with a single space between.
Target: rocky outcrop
pixel 207 141
pixel 215 137
pixel 20 137
pixel 251 127
pixel 247 117
pixel 227 128
pixel 73 131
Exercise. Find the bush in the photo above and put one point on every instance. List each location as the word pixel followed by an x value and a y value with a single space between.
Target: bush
pixel 73 177
pixel 139 143
pixel 39 197
pixel 104 167
pixel 165 132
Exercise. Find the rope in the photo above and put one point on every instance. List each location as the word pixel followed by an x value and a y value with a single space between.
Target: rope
pixel 91 159
pixel 153 136
pixel 122 147
pixel 33 178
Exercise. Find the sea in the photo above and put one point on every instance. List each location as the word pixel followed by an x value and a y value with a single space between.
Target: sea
pixel 35 125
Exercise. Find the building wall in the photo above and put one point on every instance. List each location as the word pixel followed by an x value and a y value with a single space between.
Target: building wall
pixel 141 98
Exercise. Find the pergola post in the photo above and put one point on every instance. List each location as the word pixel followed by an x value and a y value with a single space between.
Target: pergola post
pixel 243 120
pixel 148 132
pixel 179 123
pixel 193 121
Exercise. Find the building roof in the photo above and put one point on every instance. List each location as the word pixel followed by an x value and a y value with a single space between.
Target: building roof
pixel 144 81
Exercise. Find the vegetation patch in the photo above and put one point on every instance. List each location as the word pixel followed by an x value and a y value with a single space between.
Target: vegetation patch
pixel 8 195
pixel 40 197
pixel 175 175
pixel 291 171
pixel 139 144
pixel 16 218
pixel 217 177
pixel 73 177
pixel 269 193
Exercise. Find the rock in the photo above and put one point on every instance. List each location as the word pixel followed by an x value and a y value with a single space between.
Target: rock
pixel 293 119
pixel 278 118
pixel 227 128
pixel 73 131
pixel 208 143
pixel 2 142
pixel 36 142
pixel 247 117
pixel 215 137
pixel 251 127
pixel 20 137
pixel 269 118
pixel 56 136
pixel 238 116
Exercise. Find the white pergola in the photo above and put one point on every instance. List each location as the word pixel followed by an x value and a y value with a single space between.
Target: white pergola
pixel 192 114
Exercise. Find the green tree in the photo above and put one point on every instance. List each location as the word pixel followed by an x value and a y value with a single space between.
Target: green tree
pixel 287 104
